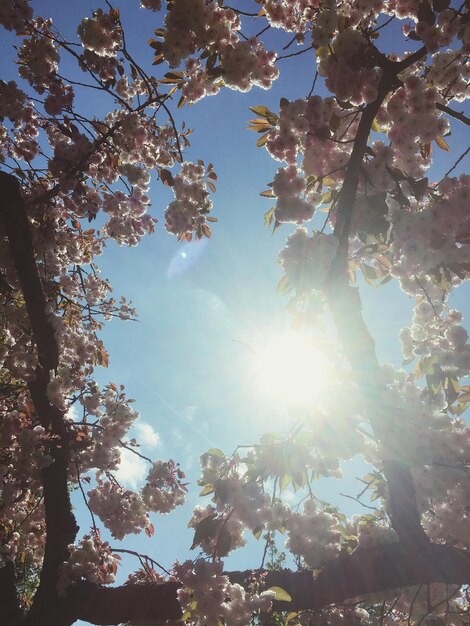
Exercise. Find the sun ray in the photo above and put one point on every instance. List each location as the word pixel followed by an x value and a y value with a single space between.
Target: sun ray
pixel 292 368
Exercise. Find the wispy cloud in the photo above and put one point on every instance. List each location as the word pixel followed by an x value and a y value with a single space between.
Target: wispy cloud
pixel 146 435
pixel 132 469
pixel 72 413
pixel 189 412
pixel 177 434
pixel 167 404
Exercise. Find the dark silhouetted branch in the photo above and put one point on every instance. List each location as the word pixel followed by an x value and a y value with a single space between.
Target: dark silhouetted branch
pixel 61 527
pixel 366 571
pixel 10 613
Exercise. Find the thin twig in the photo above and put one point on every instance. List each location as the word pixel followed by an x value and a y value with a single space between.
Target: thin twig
pixel 366 506
pixel 294 54
pixel 462 156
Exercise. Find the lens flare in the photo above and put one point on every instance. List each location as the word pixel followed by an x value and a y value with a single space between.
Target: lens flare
pixel 291 368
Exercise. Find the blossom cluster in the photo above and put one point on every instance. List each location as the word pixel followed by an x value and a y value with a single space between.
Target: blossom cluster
pixel 437 334
pixel 91 559
pixel 303 127
pixel 311 535
pixel 100 33
pixel 14 14
pixel 435 445
pixel 208 597
pixel 344 71
pixel 188 212
pixel 123 511
pixel 447 75
pixel 23 454
pixel 306 259
pixel 413 119
pixel 292 16
pixel 192 26
pixel 288 186
pixel 434 232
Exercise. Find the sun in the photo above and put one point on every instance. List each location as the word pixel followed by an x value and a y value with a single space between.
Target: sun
pixel 291 368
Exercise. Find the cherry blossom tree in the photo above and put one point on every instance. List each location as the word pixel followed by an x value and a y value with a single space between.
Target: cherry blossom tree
pixel 70 182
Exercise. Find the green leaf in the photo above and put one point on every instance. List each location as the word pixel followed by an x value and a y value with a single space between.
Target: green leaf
pixel 207 490
pixel 159 58
pixel 262 140
pixel 464 397
pixel 166 177
pixel 284 286
pixel 369 273
pixel 442 143
pixel 327 197
pixel 257 532
pixel 458 409
pixel 206 529
pixel 156 45
pixel 376 126
pixel 343 532
pixel 263 111
pixel 372 248
pixel 269 217
pixel 259 125
pixel 216 452
pixel 284 482
pixel 280 594
pixel 385 280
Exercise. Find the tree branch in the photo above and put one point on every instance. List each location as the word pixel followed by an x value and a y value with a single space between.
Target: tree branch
pixel 10 612
pixel 457 114
pixel 365 571
pixel 61 526
pixel 345 306
pixel 21 250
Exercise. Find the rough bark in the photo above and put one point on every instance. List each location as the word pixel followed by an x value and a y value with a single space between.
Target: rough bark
pixel 10 613
pixel 61 527
pixel 366 571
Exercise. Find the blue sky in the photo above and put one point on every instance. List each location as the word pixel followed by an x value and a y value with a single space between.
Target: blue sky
pixel 185 360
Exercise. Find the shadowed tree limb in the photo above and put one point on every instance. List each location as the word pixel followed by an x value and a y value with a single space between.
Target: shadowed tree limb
pixel 366 571
pixel 22 253
pixel 61 527
pixel 457 114
pixel 345 306
pixel 10 612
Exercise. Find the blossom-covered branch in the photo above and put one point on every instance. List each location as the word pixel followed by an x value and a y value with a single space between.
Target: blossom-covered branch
pixel 368 571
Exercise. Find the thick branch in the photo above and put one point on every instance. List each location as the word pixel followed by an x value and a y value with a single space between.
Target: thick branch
pixel 345 306
pixel 366 571
pixel 347 196
pixel 22 253
pixel 457 114
pixel 9 606
pixel 61 526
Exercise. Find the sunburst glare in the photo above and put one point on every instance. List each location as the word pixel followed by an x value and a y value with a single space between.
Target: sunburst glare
pixel 291 368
